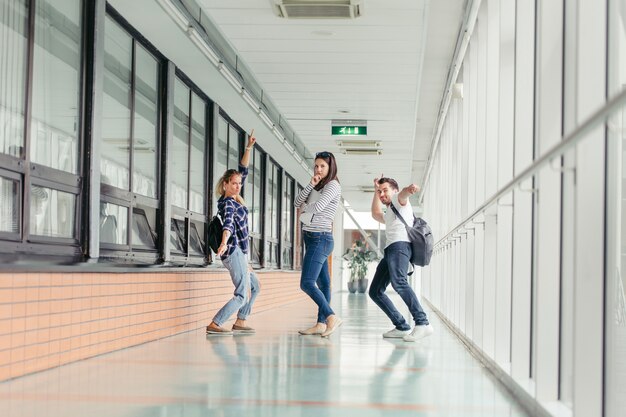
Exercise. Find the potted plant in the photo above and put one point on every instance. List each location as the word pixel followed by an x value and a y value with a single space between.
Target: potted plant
pixel 358 257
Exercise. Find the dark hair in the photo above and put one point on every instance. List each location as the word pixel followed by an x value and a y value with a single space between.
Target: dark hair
pixel 389 181
pixel 329 158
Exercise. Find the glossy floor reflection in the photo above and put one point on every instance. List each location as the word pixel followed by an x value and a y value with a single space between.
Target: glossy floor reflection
pixel 275 372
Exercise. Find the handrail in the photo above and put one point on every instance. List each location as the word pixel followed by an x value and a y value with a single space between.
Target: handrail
pixel 568 141
pixel 368 239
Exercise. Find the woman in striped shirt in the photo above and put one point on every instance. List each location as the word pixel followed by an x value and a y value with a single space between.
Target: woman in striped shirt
pixel 234 248
pixel 319 201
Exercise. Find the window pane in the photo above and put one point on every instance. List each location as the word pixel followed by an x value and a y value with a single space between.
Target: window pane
pixel 287 211
pixel 233 148
pixel 13 18
pixel 197 244
pixel 9 207
pixel 197 178
pixel 178 236
pixel 221 149
pixel 145 148
pixel 255 250
pixel 56 84
pixel 114 164
pixel 144 223
pixel 272 201
pixel 113 224
pixel 179 153
pixel 287 258
pixel 51 212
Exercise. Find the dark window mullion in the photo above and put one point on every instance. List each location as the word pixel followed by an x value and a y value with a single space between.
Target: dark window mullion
pixel 131 148
pixel 28 93
pixel 188 219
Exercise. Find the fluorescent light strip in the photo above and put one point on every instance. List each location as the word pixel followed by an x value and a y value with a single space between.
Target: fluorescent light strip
pixel 231 78
pixel 306 167
pixel 266 119
pixel 250 100
pixel 206 49
pixel 178 16
pixel 288 146
pixel 279 135
pixel 298 158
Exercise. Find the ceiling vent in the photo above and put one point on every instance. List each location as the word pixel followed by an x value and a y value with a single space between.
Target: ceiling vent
pixel 360 144
pixel 317 9
pixel 361 151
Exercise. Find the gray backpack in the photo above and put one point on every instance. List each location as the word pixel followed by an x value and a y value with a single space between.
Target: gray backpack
pixel 421 237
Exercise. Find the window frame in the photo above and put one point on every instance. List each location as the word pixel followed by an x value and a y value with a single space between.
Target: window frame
pixel 128 198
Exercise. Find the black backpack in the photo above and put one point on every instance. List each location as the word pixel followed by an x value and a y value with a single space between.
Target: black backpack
pixel 421 237
pixel 215 232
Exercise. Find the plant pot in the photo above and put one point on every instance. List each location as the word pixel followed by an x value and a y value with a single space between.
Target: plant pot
pixel 362 285
pixel 352 286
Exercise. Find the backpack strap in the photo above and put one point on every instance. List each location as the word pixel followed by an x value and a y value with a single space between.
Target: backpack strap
pixel 399 216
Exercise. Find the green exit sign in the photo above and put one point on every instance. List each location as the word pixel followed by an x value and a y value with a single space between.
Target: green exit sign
pixel 348 130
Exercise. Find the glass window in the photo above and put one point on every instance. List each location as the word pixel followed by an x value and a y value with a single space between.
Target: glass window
pixel 287 223
pixel 13 21
pixel 144 223
pixel 221 148
pixel 253 195
pixel 115 151
pixel 297 256
pixel 233 148
pixel 9 205
pixel 272 214
pixel 197 178
pixel 113 224
pixel 131 141
pixel 179 153
pixel 146 127
pixel 56 84
pixel 52 212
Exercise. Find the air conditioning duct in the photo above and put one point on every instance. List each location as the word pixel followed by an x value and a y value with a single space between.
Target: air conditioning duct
pixel 317 9
pixel 363 152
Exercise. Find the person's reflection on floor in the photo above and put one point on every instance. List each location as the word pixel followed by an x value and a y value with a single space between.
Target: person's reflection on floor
pixel 408 361
pixel 238 379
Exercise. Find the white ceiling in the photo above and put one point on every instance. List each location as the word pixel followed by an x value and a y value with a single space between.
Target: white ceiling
pixel 387 67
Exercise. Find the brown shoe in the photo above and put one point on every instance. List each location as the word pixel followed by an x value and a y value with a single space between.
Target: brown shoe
pixel 243 329
pixel 319 328
pixel 211 329
pixel 331 327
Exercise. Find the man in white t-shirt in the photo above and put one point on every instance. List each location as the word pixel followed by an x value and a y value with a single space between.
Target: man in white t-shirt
pixel 394 266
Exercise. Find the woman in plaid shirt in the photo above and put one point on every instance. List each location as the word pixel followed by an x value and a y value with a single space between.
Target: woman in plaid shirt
pixel 233 250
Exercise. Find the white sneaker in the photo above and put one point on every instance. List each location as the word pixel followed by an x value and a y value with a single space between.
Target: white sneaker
pixel 395 334
pixel 419 332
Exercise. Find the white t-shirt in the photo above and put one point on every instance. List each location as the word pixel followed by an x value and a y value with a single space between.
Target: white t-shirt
pixel 395 229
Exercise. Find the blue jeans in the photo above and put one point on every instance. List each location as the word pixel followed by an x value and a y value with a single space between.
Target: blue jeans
pixel 315 278
pixel 245 282
pixel 393 269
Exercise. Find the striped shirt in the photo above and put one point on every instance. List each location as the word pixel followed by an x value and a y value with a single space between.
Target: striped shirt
pixel 323 209
pixel 235 217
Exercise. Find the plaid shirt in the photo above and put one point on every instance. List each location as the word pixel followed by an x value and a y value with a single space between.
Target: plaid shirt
pixel 235 217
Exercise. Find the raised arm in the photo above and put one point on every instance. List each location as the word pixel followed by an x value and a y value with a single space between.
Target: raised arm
pixel 245 159
pixel 301 198
pixel 409 190
pixel 377 206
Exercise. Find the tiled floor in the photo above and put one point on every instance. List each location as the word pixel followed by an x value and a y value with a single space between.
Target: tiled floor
pixel 273 373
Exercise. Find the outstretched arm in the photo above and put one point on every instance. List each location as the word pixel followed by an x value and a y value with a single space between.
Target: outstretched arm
pixel 403 196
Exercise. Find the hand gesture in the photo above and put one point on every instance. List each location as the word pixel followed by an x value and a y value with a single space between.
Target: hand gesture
pixel 412 189
pixel 251 139
pixel 316 179
pixel 376 184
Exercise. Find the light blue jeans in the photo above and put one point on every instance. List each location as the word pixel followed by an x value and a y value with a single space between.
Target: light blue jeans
pixel 245 282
